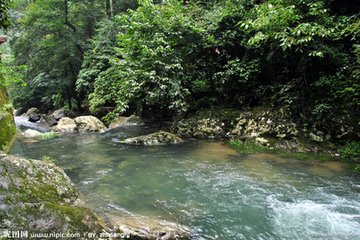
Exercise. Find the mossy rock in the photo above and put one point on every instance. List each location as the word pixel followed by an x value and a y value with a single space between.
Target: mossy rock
pixel 7 125
pixel 157 138
pixel 38 196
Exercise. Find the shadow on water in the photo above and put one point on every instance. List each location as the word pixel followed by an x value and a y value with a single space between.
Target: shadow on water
pixel 206 185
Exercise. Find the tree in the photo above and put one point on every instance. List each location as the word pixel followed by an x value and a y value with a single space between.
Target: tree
pixel 52 44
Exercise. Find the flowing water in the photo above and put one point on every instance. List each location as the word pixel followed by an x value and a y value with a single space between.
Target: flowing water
pixel 206 185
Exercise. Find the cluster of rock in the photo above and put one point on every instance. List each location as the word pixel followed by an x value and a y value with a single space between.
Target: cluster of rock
pixel 50 119
pixel 264 124
pixel 60 123
pixel 199 127
pixel 80 124
pixel 246 125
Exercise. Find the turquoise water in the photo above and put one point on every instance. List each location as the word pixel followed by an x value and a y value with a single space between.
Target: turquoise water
pixel 219 193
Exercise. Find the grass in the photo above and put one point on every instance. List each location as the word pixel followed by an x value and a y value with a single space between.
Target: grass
pixel 49 135
pixel 250 147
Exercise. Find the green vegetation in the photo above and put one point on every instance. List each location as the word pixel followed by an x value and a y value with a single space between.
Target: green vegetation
pixel 7 126
pixel 251 147
pixel 248 147
pixel 172 58
pixel 351 151
pixel 49 135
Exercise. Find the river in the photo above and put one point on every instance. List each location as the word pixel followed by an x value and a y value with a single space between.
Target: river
pixel 219 193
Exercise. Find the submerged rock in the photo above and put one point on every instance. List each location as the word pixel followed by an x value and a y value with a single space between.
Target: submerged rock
pixel 37 196
pixel 31 133
pixel 121 121
pixel 66 124
pixel 152 229
pixel 157 138
pixel 89 124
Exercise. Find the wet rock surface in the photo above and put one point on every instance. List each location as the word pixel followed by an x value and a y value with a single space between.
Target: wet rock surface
pixel 157 138
pixel 146 228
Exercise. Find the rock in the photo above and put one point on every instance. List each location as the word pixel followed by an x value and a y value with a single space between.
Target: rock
pixel 89 124
pixel 262 141
pixel 66 124
pixel 157 138
pixel 264 123
pixel 146 228
pixel 291 145
pixel 34 117
pixel 49 120
pixel 31 133
pixel 58 114
pixel 31 111
pixel 37 196
pixel 207 128
pixel 315 137
pixel 121 121
pixel 281 135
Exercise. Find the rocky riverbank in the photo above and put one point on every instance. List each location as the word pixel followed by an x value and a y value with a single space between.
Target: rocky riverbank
pixel 270 129
pixel 37 197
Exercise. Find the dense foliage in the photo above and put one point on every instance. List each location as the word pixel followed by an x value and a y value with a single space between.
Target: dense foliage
pixel 173 57
pixel 51 38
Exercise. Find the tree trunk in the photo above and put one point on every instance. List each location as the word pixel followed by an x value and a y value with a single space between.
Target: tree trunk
pixel 109 8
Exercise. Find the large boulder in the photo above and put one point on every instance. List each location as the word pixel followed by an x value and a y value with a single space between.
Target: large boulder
pixel 207 128
pixel 58 114
pixel 37 196
pixel 89 124
pixel 264 123
pixel 206 123
pixel 121 121
pixel 157 138
pixel 48 120
pixel 66 124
